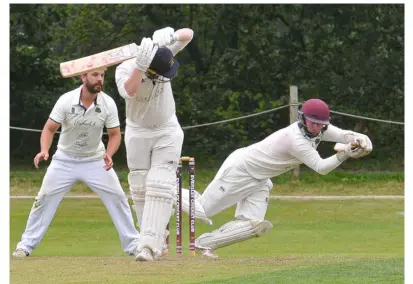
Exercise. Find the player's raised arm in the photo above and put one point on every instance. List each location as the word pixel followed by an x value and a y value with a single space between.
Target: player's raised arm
pixel 174 40
pixel 129 76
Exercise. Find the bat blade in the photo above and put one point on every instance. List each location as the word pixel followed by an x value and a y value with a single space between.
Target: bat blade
pixel 100 60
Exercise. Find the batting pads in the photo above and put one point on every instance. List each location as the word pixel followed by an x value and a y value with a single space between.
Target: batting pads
pixel 137 181
pixel 232 232
pixel 199 209
pixel 156 214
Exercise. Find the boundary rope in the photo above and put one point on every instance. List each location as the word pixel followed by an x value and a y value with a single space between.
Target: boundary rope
pixel 367 118
pixel 243 117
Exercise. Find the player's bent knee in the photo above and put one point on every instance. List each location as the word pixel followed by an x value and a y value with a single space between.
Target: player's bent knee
pixel 137 183
pixel 200 213
pixel 160 193
pixel 162 176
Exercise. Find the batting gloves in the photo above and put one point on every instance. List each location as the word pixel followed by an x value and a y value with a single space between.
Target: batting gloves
pixel 145 54
pixel 164 37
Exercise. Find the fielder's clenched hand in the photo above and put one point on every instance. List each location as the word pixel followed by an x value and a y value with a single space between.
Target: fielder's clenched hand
pixel 108 162
pixel 40 157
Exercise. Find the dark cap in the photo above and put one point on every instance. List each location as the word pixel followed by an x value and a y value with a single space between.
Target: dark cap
pixel 164 63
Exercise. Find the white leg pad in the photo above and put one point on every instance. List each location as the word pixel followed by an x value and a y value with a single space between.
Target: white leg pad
pixel 156 215
pixel 199 209
pixel 137 182
pixel 233 232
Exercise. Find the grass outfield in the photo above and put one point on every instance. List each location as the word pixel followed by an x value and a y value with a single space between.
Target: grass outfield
pixel 28 182
pixel 313 241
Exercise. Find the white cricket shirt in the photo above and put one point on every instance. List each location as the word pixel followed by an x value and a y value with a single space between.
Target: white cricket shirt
pixel 287 148
pixel 81 130
pixel 154 104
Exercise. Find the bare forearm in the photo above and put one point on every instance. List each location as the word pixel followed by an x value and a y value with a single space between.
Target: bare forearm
pixel 184 34
pixel 46 140
pixel 184 37
pixel 133 83
pixel 113 144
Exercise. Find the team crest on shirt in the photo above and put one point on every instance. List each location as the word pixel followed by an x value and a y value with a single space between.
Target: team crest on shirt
pixel 98 110
pixel 82 139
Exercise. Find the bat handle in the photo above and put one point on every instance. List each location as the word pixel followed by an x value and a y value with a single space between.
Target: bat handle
pixel 154 50
pixel 355 145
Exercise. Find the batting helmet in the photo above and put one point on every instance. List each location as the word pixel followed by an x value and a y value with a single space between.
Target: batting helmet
pixel 163 64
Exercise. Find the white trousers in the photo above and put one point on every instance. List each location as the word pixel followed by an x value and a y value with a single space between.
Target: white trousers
pixel 62 173
pixel 149 147
pixel 233 185
pixel 153 154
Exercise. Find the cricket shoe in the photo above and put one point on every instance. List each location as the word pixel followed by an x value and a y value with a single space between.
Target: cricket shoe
pixel 145 255
pixel 134 252
pixel 165 250
pixel 206 252
pixel 20 253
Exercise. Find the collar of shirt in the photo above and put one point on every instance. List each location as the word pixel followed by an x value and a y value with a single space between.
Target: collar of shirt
pixel 76 98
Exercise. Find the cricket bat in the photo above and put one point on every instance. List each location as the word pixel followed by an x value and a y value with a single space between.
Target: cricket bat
pixel 104 59
pixel 341 147
pixel 100 60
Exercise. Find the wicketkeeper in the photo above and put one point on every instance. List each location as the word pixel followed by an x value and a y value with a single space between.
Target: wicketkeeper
pixel 244 177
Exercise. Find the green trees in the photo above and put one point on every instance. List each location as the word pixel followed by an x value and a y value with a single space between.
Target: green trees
pixel 242 60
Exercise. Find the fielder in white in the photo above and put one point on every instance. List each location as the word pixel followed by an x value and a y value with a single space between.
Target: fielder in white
pixel 80 156
pixel 153 135
pixel 244 177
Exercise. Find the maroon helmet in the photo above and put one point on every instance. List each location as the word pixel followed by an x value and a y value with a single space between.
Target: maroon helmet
pixel 315 110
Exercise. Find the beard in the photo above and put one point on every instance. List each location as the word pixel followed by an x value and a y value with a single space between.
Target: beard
pixel 94 88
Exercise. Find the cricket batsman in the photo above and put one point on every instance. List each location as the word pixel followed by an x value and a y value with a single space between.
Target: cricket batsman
pixel 153 135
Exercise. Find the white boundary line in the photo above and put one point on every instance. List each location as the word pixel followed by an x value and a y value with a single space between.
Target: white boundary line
pixel 284 197
pixel 335 197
